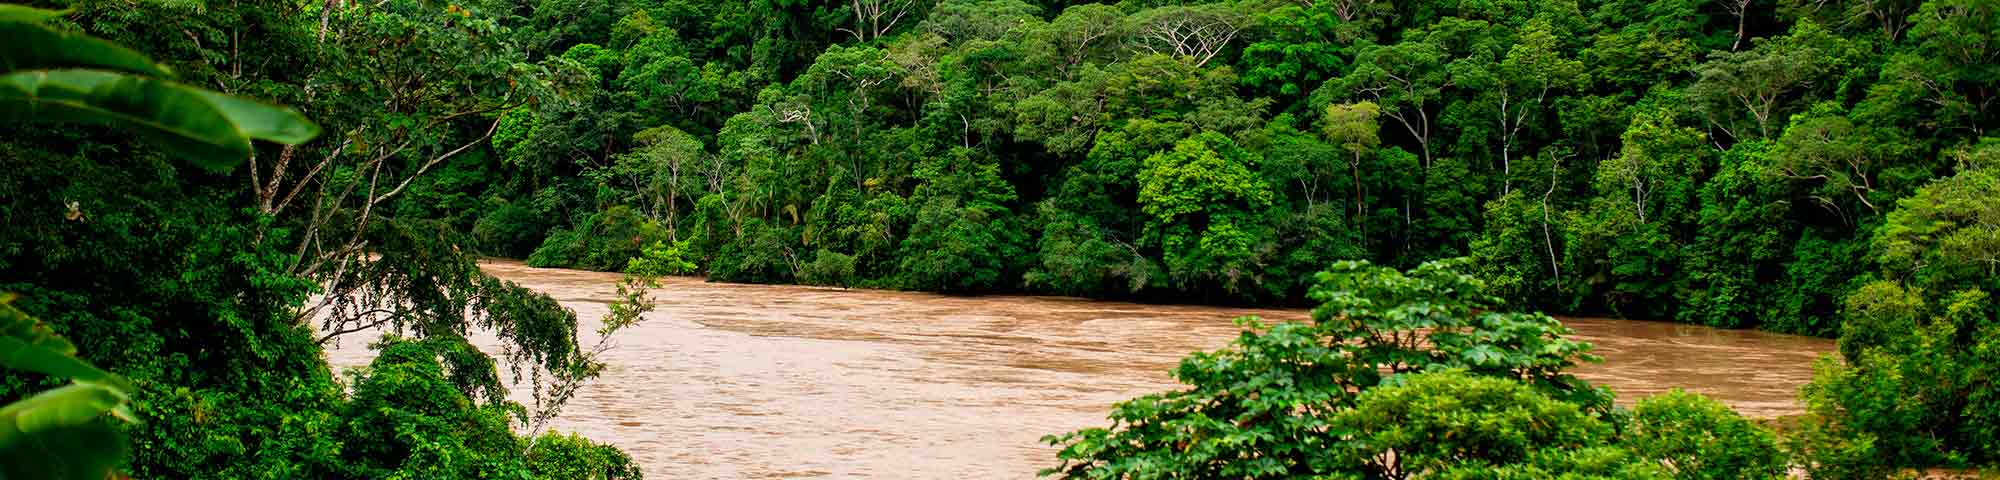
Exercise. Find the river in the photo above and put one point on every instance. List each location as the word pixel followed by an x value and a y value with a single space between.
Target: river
pixel 728 381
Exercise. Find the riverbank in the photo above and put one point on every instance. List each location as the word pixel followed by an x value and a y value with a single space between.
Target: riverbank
pixel 1158 299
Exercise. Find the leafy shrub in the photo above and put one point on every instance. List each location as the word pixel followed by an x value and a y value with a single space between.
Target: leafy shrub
pixel 952 248
pixel 228 385
pixel 560 456
pixel 1698 438
pixel 1452 424
pixel 61 432
pixel 1435 317
pixel 408 420
pixel 828 268
pixel 1588 463
pixel 1265 407
pixel 602 241
pixel 509 229
pixel 763 254
pixel 1416 374
pixel 662 258
pixel 1827 450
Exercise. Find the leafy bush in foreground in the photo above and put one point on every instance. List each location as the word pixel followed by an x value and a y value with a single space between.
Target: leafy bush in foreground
pixel 1416 374
pixel 408 419
pixel 1266 406
pixel 1698 438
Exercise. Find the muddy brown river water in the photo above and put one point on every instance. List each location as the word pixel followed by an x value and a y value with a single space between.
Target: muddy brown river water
pixel 727 381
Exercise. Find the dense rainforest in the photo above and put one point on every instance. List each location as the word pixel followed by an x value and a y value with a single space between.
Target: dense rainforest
pixel 1808 166
pixel 1722 163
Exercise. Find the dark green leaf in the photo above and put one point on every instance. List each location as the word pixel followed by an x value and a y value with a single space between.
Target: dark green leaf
pixel 263 121
pixel 185 121
pixel 35 47
pixel 18 13
pixel 19 355
pixel 83 452
pixel 73 405
pixel 18 325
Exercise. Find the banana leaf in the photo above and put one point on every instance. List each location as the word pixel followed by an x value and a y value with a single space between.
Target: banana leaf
pixel 27 344
pixel 31 46
pixel 17 324
pixel 209 129
pixel 21 13
pixel 73 405
pixel 85 452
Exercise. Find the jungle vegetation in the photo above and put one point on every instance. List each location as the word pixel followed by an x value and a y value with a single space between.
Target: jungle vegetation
pixel 1820 167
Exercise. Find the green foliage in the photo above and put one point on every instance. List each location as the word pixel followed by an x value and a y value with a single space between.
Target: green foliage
pixel 1412 374
pixel 1435 317
pixel 66 77
pixel 1740 235
pixel 63 77
pixel 1948 233
pixel 1303 46
pixel 1454 425
pixel 407 419
pixel 1205 201
pixel 59 433
pixel 228 380
pixel 828 267
pixel 1727 163
pixel 1919 345
pixel 1826 449
pixel 1271 405
pixel 570 456
pixel 1744 92
pixel 605 240
pixel 1627 234
pixel 962 239
pixel 1662 172
pixel 1684 109
pixel 509 228
pixel 661 258
pixel 1695 437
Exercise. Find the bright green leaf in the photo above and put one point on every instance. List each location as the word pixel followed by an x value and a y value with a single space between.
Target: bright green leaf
pixel 70 406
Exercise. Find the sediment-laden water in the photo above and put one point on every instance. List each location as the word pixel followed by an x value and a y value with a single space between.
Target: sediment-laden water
pixel 727 381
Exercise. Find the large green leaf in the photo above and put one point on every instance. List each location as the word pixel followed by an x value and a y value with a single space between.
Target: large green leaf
pixel 263 121
pixel 73 405
pixel 31 46
pixel 57 434
pixel 19 355
pixel 83 452
pixel 17 324
pixel 27 344
pixel 209 129
pixel 20 13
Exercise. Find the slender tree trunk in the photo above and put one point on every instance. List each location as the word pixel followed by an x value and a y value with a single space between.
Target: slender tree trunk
pixel 1740 19
pixel 1506 147
pixel 1355 167
pixel 1548 238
